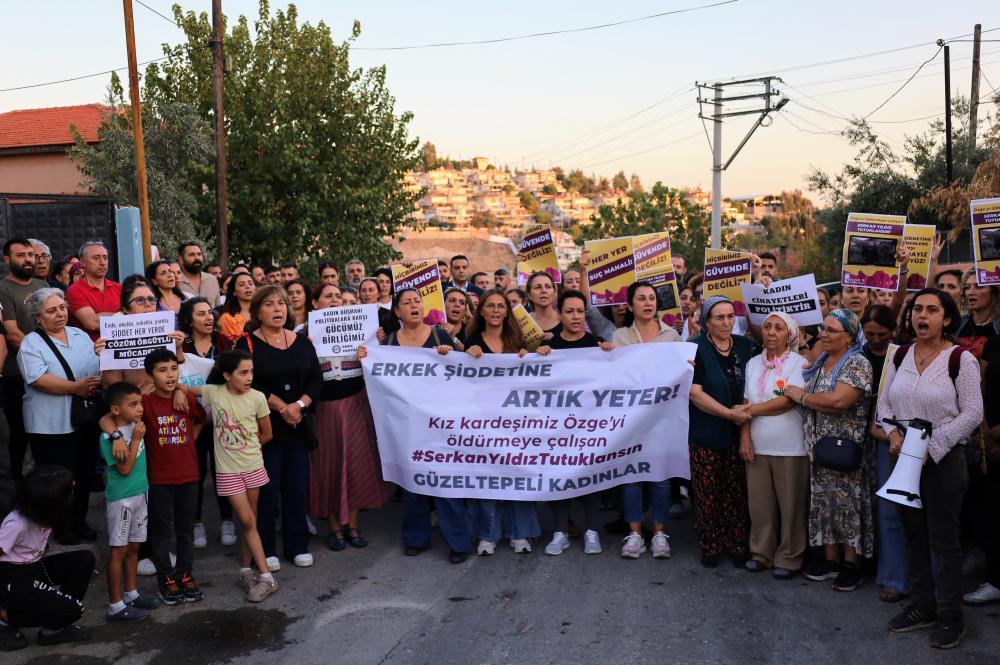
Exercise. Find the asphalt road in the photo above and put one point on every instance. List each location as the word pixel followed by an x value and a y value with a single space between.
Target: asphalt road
pixel 376 606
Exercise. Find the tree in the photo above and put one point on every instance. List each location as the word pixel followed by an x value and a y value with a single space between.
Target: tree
pixel 620 182
pixel 634 184
pixel 316 149
pixel 528 201
pixel 484 219
pixel 428 157
pixel 661 209
pixel 179 147
pixel 544 217
pixel 550 189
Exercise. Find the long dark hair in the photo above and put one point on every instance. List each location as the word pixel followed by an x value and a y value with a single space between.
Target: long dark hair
pixel 510 332
pixel 226 363
pixel 951 312
pixel 632 289
pixel 45 496
pixel 151 278
pixel 232 306
pixel 185 318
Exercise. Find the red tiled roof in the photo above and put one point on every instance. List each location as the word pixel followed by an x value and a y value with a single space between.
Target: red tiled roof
pixel 50 126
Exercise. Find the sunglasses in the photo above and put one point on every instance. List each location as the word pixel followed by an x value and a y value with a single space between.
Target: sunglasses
pixel 143 300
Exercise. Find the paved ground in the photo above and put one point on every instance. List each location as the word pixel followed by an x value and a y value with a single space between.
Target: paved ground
pixel 377 606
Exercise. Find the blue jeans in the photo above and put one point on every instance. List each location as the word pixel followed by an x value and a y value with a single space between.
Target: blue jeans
pixel 892 567
pixel 452 521
pixel 659 501
pixel 494 519
pixel 287 464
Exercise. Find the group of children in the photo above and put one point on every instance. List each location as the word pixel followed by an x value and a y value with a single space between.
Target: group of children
pixel 148 442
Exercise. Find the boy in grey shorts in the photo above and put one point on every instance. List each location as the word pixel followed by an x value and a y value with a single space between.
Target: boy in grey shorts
pixel 126 491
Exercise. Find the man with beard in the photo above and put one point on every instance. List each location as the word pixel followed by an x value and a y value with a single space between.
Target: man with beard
pixel 193 282
pixel 17 322
pixel 355 272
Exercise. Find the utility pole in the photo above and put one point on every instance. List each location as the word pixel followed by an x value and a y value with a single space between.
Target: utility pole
pixel 718 101
pixel 974 95
pixel 221 193
pixel 140 151
pixel 947 112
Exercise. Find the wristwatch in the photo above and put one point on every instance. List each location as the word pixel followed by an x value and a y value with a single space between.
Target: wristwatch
pixel 117 435
pixel 302 405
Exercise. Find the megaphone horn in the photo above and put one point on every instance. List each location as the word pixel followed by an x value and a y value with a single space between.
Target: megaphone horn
pixel 903 486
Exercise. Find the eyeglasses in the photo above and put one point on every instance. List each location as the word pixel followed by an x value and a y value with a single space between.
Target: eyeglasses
pixel 494 305
pixel 830 331
pixel 143 300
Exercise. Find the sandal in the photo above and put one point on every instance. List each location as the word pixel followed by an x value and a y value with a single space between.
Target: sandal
pixel 355 539
pixel 335 541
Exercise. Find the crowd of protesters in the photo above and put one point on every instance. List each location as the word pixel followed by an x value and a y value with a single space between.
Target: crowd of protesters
pixel 286 439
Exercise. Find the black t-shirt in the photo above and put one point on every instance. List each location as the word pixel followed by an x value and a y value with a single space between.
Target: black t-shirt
pixel 991 394
pixel 975 337
pixel 878 365
pixel 477 340
pixel 588 341
pixel 732 371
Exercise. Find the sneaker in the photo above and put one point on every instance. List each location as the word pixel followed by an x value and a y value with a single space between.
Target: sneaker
pixel 984 595
pixel 825 570
pixel 128 614
pixel 520 545
pixel 192 594
pixel 457 557
pixel 849 578
pixel 948 633
pixel 169 590
pixel 912 618
pixel 247 580
pixel 591 542
pixel 147 569
pixel 261 590
pixel 558 544
pixel 311 526
pixel 273 564
pixel 681 507
pixel 634 546
pixel 63 635
pixel 228 537
pixel 660 545
pixel 200 537
pixel 144 602
pixel 302 560
pixel 486 548
pixel 11 639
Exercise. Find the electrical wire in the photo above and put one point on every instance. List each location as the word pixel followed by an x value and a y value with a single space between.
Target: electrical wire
pixel 548 33
pixel 80 78
pixel 641 152
pixel 645 137
pixel 623 134
pixel 906 82
pixel 163 16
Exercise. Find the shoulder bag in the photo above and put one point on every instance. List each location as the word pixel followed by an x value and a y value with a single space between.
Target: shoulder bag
pixel 83 411
pixel 836 454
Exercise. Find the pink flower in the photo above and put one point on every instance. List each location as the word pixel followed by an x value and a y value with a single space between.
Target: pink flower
pixel 739 308
pixel 916 282
pixel 669 319
pixel 435 317
pixel 554 274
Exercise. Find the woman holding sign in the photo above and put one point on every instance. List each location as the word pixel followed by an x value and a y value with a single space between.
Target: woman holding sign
pixel 718 477
pixel 452 517
pixel 494 330
pixel 345 472
pixel 836 400
pixel 644 327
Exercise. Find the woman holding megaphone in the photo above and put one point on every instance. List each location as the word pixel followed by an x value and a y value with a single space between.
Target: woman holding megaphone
pixel 922 383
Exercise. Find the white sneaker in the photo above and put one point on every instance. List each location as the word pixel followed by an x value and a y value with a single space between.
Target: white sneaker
pixel 558 544
pixel 591 542
pixel 660 545
pixel 200 537
pixel 633 546
pixel 303 560
pixel 311 526
pixel 486 548
pixel 984 595
pixel 147 569
pixel 228 537
pixel 273 564
pixel 520 545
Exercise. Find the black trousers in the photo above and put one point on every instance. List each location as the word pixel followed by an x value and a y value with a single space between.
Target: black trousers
pixel 989 506
pixel 937 528
pixel 171 516
pixel 77 451
pixel 48 593
pixel 287 464
pixel 13 398
pixel 6 476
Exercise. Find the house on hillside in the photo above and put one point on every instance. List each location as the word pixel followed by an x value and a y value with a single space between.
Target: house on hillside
pixel 33 145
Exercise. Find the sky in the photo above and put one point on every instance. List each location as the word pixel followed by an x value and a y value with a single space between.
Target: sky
pixel 618 98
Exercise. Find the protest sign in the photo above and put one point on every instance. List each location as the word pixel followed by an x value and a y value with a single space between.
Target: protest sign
pixel 725 272
pixel 425 278
pixel 870 244
pixel 611 270
pixel 796 297
pixel 537 253
pixel 890 355
pixel 530 331
pixel 539 428
pixel 130 337
pixel 339 331
pixel 652 264
pixel 986 240
pixel 919 239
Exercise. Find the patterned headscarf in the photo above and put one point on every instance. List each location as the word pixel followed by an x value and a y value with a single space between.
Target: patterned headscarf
pixel 852 324
pixel 777 365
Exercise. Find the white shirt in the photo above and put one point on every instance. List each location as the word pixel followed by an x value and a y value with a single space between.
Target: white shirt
pixel 779 435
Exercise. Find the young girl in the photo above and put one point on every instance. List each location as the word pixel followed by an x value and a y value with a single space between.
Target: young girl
pixel 242 425
pixel 39 590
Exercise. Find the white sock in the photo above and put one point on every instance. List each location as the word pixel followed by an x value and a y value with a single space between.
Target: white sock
pixel 268 577
pixel 244 571
pixel 115 608
pixel 129 596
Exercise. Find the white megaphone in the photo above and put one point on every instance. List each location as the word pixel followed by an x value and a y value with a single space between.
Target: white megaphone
pixel 903 486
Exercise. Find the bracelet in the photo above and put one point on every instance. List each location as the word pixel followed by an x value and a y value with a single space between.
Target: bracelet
pixel 802 400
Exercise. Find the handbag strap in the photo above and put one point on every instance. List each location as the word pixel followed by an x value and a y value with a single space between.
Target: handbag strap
pixel 59 356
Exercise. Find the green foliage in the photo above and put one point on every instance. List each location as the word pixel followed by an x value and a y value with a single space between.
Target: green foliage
pixel 428 157
pixel 316 150
pixel 660 209
pixel 484 219
pixel 528 201
pixel 543 217
pixel 550 190
pixel 620 182
pixel 178 147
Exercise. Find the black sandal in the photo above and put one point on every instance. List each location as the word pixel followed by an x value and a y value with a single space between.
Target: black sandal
pixel 335 541
pixel 356 540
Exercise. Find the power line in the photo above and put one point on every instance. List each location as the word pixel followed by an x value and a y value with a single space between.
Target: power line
pixel 618 136
pixel 906 82
pixel 163 16
pixel 643 138
pixel 548 33
pixel 641 152
pixel 80 78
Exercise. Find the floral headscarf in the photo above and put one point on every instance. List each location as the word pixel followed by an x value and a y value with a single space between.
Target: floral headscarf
pixel 776 366
pixel 851 323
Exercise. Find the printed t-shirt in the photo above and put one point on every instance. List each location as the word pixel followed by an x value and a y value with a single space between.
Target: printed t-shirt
pixel 780 435
pixel 21 540
pixel 173 458
pixel 974 337
pixel 135 483
pixel 237 447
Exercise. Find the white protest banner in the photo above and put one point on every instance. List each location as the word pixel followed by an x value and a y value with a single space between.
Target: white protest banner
pixel 339 331
pixel 538 428
pixel 796 297
pixel 130 337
